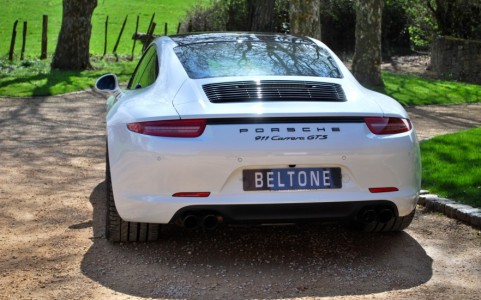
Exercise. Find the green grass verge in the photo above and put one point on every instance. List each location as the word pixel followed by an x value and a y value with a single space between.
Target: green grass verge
pixel 451 166
pixel 412 90
pixel 170 11
pixel 35 78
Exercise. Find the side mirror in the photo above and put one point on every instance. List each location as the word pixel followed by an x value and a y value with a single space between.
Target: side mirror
pixel 108 84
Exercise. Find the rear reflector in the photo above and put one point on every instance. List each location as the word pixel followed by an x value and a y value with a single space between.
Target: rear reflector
pixel 170 128
pixel 383 189
pixel 388 125
pixel 191 194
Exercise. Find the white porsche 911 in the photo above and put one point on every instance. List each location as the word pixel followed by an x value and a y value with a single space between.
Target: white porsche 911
pixel 229 128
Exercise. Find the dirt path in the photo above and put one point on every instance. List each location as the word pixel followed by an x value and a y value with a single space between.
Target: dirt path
pixel 52 246
pixel 434 120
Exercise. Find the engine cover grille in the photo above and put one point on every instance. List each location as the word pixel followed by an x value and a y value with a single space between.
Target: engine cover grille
pixel 273 90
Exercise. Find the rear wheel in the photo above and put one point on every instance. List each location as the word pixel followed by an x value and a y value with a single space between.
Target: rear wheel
pixel 118 230
pixel 394 224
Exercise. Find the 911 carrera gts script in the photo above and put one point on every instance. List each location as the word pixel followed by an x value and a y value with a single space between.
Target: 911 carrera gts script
pixel 291 138
pixel 314 133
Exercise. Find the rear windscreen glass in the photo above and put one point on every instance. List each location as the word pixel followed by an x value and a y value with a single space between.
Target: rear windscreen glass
pixel 247 58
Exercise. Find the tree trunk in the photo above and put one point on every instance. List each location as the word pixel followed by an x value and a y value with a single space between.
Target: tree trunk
pixel 366 64
pixel 72 52
pixel 261 15
pixel 305 18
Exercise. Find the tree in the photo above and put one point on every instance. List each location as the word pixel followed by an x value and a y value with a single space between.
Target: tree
pixel 72 52
pixel 261 13
pixel 305 18
pixel 457 18
pixel 366 64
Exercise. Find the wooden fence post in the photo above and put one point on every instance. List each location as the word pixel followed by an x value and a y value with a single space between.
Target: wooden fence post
pixel 165 28
pixel 148 30
pixel 43 54
pixel 136 31
pixel 106 34
pixel 24 39
pixel 120 35
pixel 12 42
pixel 151 21
pixel 150 34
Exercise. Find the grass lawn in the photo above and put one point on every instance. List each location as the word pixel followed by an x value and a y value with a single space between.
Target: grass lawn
pixel 412 90
pixel 451 166
pixel 34 77
pixel 170 11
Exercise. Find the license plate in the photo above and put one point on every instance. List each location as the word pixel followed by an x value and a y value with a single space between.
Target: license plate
pixel 292 179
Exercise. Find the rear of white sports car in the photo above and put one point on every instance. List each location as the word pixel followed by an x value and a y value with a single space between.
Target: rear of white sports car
pixel 205 145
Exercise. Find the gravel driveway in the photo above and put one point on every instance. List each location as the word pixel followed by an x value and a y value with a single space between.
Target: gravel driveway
pixel 52 246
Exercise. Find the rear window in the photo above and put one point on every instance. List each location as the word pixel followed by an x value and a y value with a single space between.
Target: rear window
pixel 247 58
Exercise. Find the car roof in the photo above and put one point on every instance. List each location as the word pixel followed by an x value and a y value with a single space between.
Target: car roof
pixel 217 37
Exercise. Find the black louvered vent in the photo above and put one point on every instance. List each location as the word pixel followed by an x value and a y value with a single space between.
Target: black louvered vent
pixel 273 90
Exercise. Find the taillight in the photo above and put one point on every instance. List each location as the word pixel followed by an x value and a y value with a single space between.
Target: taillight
pixel 170 128
pixel 192 194
pixel 379 125
pixel 383 189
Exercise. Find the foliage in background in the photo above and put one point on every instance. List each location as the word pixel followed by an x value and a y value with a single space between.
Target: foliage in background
pixel 457 18
pixel 218 16
pixel 395 29
pixel 412 18
pixel 421 25
pixel 429 18
pixel 230 15
pixel 451 166
pixel 338 20
pixel 281 16
pixel 31 78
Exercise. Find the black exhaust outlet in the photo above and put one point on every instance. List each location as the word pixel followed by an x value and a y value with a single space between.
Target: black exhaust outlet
pixel 190 222
pixel 385 215
pixel 369 216
pixel 210 222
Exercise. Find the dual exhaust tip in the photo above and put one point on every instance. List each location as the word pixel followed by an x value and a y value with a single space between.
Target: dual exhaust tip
pixel 371 215
pixel 207 221
pixel 210 221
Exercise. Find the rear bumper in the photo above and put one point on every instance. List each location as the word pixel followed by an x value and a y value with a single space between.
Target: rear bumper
pixel 266 207
pixel 285 213
pixel 147 171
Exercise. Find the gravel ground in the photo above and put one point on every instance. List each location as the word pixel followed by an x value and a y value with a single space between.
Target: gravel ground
pixel 433 120
pixel 52 246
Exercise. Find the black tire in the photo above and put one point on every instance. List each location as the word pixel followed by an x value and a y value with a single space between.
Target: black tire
pixel 118 230
pixel 395 224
